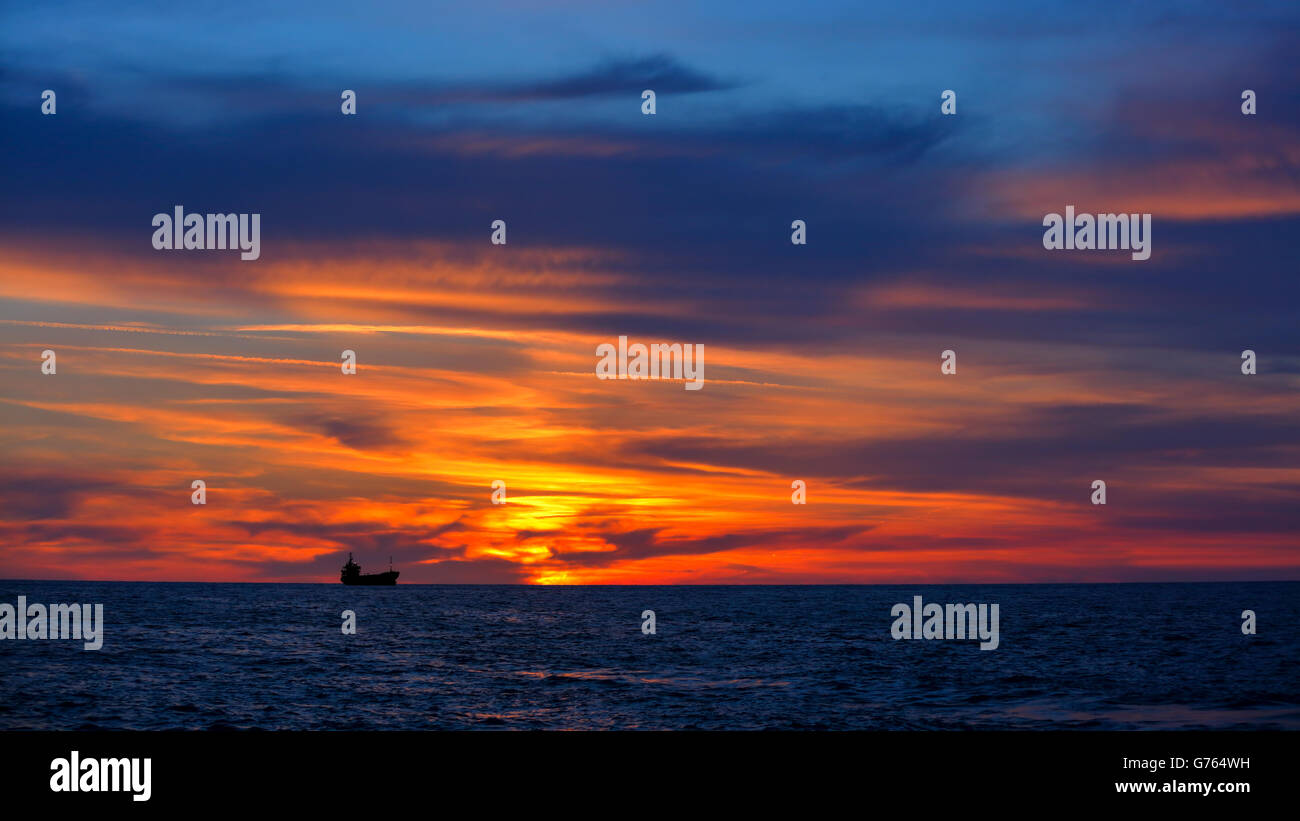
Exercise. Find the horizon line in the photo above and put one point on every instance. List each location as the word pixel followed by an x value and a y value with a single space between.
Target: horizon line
pixel 680 584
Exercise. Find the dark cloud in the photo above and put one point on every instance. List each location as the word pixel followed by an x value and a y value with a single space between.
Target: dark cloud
pixel 355 431
pixel 1053 453
pixel 30 496
pixel 697 211
pixel 649 542
pixel 660 72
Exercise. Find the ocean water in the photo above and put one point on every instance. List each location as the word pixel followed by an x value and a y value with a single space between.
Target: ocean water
pixel 272 656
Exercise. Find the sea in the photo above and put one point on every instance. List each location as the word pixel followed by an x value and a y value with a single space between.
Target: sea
pixel 470 657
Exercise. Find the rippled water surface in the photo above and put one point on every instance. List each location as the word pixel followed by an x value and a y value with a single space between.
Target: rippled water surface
pixel 457 657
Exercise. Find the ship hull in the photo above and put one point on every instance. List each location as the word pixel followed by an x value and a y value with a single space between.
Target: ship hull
pixel 373 579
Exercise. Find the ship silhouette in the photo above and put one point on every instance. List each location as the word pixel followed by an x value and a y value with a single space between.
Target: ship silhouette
pixel 352 574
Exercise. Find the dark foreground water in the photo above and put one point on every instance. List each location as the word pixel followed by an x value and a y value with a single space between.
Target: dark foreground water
pixel 453 657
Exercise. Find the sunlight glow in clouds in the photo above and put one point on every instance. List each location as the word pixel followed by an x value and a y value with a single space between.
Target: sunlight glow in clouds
pixel 475 362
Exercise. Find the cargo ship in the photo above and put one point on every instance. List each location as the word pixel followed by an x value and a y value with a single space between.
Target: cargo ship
pixel 352 574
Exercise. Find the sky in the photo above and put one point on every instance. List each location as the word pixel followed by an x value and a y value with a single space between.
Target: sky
pixel 476 362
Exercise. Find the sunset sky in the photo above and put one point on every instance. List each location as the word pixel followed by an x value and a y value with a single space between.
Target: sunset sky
pixel 476 362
